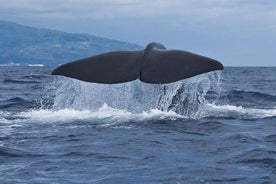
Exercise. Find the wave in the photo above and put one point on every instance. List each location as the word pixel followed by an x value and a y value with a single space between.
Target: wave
pixel 16 103
pixel 15 99
pixel 103 113
pixel 19 81
pixel 23 64
pixel 10 152
pixel 106 115
pixel 35 76
pixel 35 65
pixel 256 157
pixel 236 112
pixel 11 64
pixel 248 99
pixel 250 94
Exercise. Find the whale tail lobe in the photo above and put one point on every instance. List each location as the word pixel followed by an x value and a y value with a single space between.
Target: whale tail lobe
pixel 154 64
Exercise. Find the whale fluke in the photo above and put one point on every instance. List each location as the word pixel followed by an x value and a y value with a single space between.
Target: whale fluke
pixel 154 64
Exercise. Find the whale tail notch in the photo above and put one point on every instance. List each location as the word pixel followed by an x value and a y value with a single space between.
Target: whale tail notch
pixel 154 64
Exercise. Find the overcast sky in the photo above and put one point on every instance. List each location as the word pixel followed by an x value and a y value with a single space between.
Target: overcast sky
pixel 235 32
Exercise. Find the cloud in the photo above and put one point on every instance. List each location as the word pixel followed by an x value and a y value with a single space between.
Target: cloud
pixel 159 14
pixel 231 26
pixel 170 13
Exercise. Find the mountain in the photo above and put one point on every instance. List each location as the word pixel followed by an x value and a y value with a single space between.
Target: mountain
pixel 29 45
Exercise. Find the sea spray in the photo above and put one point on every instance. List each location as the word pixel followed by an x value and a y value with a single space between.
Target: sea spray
pixel 183 97
pixel 192 97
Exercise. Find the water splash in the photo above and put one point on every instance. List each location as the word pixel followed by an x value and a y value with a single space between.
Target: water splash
pixel 198 97
pixel 183 97
pixel 104 114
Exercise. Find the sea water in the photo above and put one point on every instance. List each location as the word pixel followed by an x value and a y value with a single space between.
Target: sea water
pixel 217 127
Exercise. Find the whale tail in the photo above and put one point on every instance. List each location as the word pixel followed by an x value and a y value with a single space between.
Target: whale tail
pixel 154 64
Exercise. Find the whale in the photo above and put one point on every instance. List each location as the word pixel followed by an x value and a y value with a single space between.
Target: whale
pixel 155 64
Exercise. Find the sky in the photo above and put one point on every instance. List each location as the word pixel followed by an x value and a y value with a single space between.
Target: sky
pixel 235 32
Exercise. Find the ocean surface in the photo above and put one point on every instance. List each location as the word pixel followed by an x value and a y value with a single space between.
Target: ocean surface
pixel 218 127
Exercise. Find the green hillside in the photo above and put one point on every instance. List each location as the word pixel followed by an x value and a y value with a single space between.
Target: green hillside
pixel 28 45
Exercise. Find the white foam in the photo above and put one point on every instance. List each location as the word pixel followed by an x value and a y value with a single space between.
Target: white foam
pixel 10 64
pixel 2 115
pixel 236 111
pixel 36 65
pixel 105 113
pixel 110 116
pixel 6 116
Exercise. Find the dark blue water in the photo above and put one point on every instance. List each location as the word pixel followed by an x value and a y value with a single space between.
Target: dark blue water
pixel 213 128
